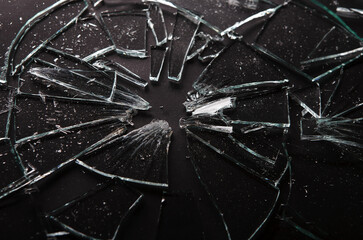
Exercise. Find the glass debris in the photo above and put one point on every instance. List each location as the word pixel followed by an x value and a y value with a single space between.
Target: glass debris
pixel 157 62
pixel 257 135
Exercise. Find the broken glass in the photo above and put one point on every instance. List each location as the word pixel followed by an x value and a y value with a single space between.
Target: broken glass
pixel 266 120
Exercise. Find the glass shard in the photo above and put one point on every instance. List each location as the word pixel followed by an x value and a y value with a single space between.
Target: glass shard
pixel 90 86
pixel 156 23
pixel 158 55
pixel 183 35
pixel 140 156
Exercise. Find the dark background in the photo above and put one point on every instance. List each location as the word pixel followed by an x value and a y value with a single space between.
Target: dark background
pixel 326 191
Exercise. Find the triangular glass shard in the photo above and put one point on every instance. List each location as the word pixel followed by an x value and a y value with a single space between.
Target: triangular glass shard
pixel 140 156
pixel 128 32
pixel 184 31
pixel 110 204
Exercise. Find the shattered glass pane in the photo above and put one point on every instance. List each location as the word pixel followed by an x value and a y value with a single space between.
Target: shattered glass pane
pixel 260 139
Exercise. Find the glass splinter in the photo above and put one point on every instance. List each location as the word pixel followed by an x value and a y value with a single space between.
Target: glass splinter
pixel 183 35
pixel 157 62
pixel 67 79
pixel 349 12
pixel 110 203
pixel 157 24
pixel 140 156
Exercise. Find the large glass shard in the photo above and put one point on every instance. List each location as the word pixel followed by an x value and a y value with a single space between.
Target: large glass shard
pixel 253 198
pixel 39 31
pixel 292 50
pixel 179 216
pixel 110 204
pixel 183 35
pixel 156 23
pixel 128 32
pixel 210 12
pixel 157 62
pixel 237 64
pixel 140 156
pixel 84 38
